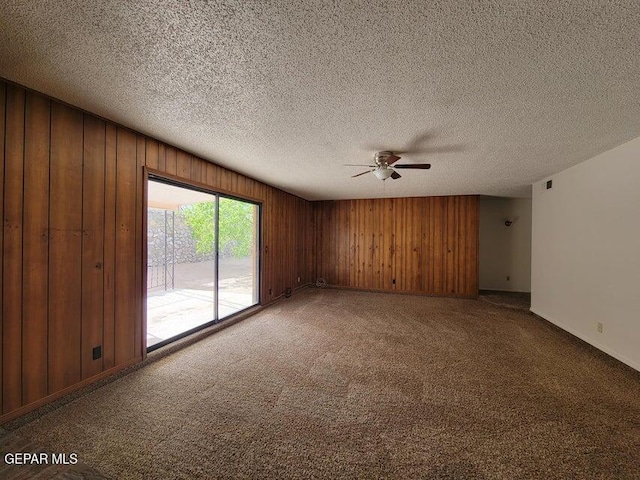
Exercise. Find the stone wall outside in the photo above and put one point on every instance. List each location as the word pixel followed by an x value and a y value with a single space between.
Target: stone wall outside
pixel 185 244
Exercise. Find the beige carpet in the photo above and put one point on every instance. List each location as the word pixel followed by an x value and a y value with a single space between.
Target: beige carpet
pixel 517 300
pixel 343 384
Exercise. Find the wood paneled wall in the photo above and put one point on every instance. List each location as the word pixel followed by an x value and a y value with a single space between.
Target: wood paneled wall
pixel 422 245
pixel 71 243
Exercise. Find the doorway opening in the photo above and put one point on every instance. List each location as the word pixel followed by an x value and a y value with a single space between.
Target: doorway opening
pixel 202 259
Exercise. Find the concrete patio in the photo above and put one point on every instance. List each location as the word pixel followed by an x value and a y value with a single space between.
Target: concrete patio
pixel 191 302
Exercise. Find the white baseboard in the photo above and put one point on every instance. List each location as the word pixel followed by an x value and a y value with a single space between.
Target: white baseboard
pixel 590 341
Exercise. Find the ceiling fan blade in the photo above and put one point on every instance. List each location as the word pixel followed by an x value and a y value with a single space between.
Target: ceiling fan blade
pixel 357 165
pixel 395 175
pixel 363 173
pixel 392 159
pixel 419 166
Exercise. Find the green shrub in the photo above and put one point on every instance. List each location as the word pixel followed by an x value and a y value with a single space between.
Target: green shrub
pixel 236 226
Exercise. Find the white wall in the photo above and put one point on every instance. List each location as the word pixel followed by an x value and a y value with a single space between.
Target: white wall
pixel 586 251
pixel 505 251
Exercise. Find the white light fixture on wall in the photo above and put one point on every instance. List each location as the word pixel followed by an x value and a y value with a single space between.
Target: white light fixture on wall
pixel 383 173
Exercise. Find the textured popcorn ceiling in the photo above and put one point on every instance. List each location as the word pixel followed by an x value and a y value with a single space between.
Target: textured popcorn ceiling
pixel 495 94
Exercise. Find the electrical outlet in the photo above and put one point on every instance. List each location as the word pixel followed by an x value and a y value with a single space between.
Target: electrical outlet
pixel 298 279
pixel 599 327
pixel 97 352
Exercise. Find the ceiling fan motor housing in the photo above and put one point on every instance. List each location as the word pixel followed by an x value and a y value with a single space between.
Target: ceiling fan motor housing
pixel 381 157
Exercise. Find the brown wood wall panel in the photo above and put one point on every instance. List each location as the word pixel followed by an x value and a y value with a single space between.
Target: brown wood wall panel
pixel 12 251
pixel 379 254
pixel 151 154
pixel 183 165
pixel 387 244
pixel 171 161
pixel 109 265
pixel 35 248
pixel 353 241
pixel 472 231
pixel 125 269
pixel 303 241
pixel 438 253
pixel 422 245
pixel 93 202
pixel 196 170
pixel 210 174
pixel 65 248
pixel 139 262
pixel 162 158
pixel 3 92
pixel 461 257
pixel 425 247
pixel 267 249
pixel 400 224
pixel 450 245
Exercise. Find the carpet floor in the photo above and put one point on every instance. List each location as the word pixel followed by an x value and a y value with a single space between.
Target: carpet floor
pixel 518 300
pixel 345 384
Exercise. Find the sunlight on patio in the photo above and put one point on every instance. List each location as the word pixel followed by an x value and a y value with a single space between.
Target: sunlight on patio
pixel 191 303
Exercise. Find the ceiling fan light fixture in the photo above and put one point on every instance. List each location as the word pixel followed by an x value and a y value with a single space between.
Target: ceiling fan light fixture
pixel 383 173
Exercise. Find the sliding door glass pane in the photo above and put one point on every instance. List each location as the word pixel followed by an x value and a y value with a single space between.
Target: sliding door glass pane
pixel 238 256
pixel 180 261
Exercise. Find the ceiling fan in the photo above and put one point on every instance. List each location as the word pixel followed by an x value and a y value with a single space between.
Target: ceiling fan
pixel 382 168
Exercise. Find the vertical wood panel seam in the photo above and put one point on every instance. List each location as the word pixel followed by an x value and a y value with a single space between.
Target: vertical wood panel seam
pixel 135 247
pixel 115 242
pixel 104 235
pixel 137 236
pixel 4 181
pixel 82 235
pixel 109 240
pixel 48 245
pixel 24 144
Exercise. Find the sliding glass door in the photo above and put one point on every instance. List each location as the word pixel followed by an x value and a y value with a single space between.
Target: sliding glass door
pixel 202 259
pixel 237 254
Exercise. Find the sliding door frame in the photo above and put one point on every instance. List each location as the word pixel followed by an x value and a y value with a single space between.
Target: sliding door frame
pixel 173 180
